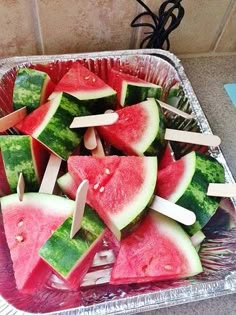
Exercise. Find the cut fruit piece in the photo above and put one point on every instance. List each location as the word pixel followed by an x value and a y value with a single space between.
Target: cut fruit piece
pixel 185 182
pixel 157 250
pixel 31 88
pixel 23 154
pixel 120 187
pixel 71 258
pixel 172 97
pixel 139 130
pixel 68 185
pixel 166 158
pixel 198 238
pixel 4 185
pixel 50 124
pixel 87 86
pixel 132 90
pixel 28 224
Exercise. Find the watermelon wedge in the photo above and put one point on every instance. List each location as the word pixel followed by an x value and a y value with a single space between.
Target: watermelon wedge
pixel 166 158
pixel 71 258
pixel 86 85
pixel 23 154
pixel 138 131
pixel 157 250
pixel 31 89
pixel 132 90
pixel 28 224
pixel 185 182
pixel 50 124
pixel 4 185
pixel 120 187
pixel 67 185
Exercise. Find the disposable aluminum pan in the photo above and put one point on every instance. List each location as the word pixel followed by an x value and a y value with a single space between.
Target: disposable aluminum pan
pixel 218 251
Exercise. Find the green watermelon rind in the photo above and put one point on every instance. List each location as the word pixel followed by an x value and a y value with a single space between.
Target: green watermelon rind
pixel 28 88
pixel 207 170
pixel 136 92
pixel 134 208
pixel 64 254
pixel 54 131
pixel 18 157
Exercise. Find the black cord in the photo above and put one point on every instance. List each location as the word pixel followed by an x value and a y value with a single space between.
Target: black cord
pixel 164 23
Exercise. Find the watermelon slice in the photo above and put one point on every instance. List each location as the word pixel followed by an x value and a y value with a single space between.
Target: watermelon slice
pixel 86 85
pixel 130 89
pixel 120 187
pixel 139 130
pixel 71 258
pixel 186 181
pixel 23 154
pixel 28 224
pixel 4 186
pixel 166 158
pixel 157 250
pixel 31 89
pixel 50 124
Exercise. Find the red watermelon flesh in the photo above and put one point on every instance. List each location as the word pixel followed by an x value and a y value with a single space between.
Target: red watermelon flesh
pixel 68 185
pixel 120 187
pixel 136 128
pixel 28 224
pixel 157 250
pixel 40 156
pixel 172 177
pixel 80 82
pixel 166 159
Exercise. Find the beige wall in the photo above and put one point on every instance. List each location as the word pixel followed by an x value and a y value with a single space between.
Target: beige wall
pixel 69 26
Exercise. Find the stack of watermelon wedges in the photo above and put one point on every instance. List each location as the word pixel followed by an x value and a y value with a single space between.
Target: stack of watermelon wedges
pixel 139 164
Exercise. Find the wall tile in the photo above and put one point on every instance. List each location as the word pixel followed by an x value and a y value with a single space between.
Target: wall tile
pixel 81 26
pixel 17 29
pixel 200 26
pixel 227 42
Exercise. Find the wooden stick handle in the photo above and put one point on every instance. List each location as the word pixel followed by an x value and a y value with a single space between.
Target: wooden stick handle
pixel 80 201
pixel 50 174
pixel 90 141
pixel 175 110
pixel 173 211
pixel 12 119
pixel 20 189
pixel 192 137
pixel 94 120
pixel 222 190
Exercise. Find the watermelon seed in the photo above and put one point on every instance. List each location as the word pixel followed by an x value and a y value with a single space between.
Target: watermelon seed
pixel 102 189
pixel 168 267
pixel 94 80
pixel 20 223
pixel 95 186
pixel 86 78
pixel 19 238
pixel 107 171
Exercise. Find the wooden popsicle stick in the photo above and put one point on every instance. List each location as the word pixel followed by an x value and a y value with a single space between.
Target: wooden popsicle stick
pixel 99 150
pixel 104 257
pixel 90 141
pixel 20 189
pixel 221 190
pixel 12 119
pixel 94 120
pixel 50 174
pixel 192 137
pixel 173 211
pixel 175 110
pixel 80 201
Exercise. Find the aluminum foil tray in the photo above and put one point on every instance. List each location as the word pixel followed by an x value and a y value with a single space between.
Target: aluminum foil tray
pixel 218 252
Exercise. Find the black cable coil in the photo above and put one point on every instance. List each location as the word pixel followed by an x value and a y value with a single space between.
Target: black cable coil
pixel 164 23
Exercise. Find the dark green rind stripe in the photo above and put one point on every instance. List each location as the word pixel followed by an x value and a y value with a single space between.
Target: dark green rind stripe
pixel 17 158
pixel 135 94
pixel 57 135
pixel 208 170
pixel 28 88
pixel 158 145
pixel 63 253
pixel 99 105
